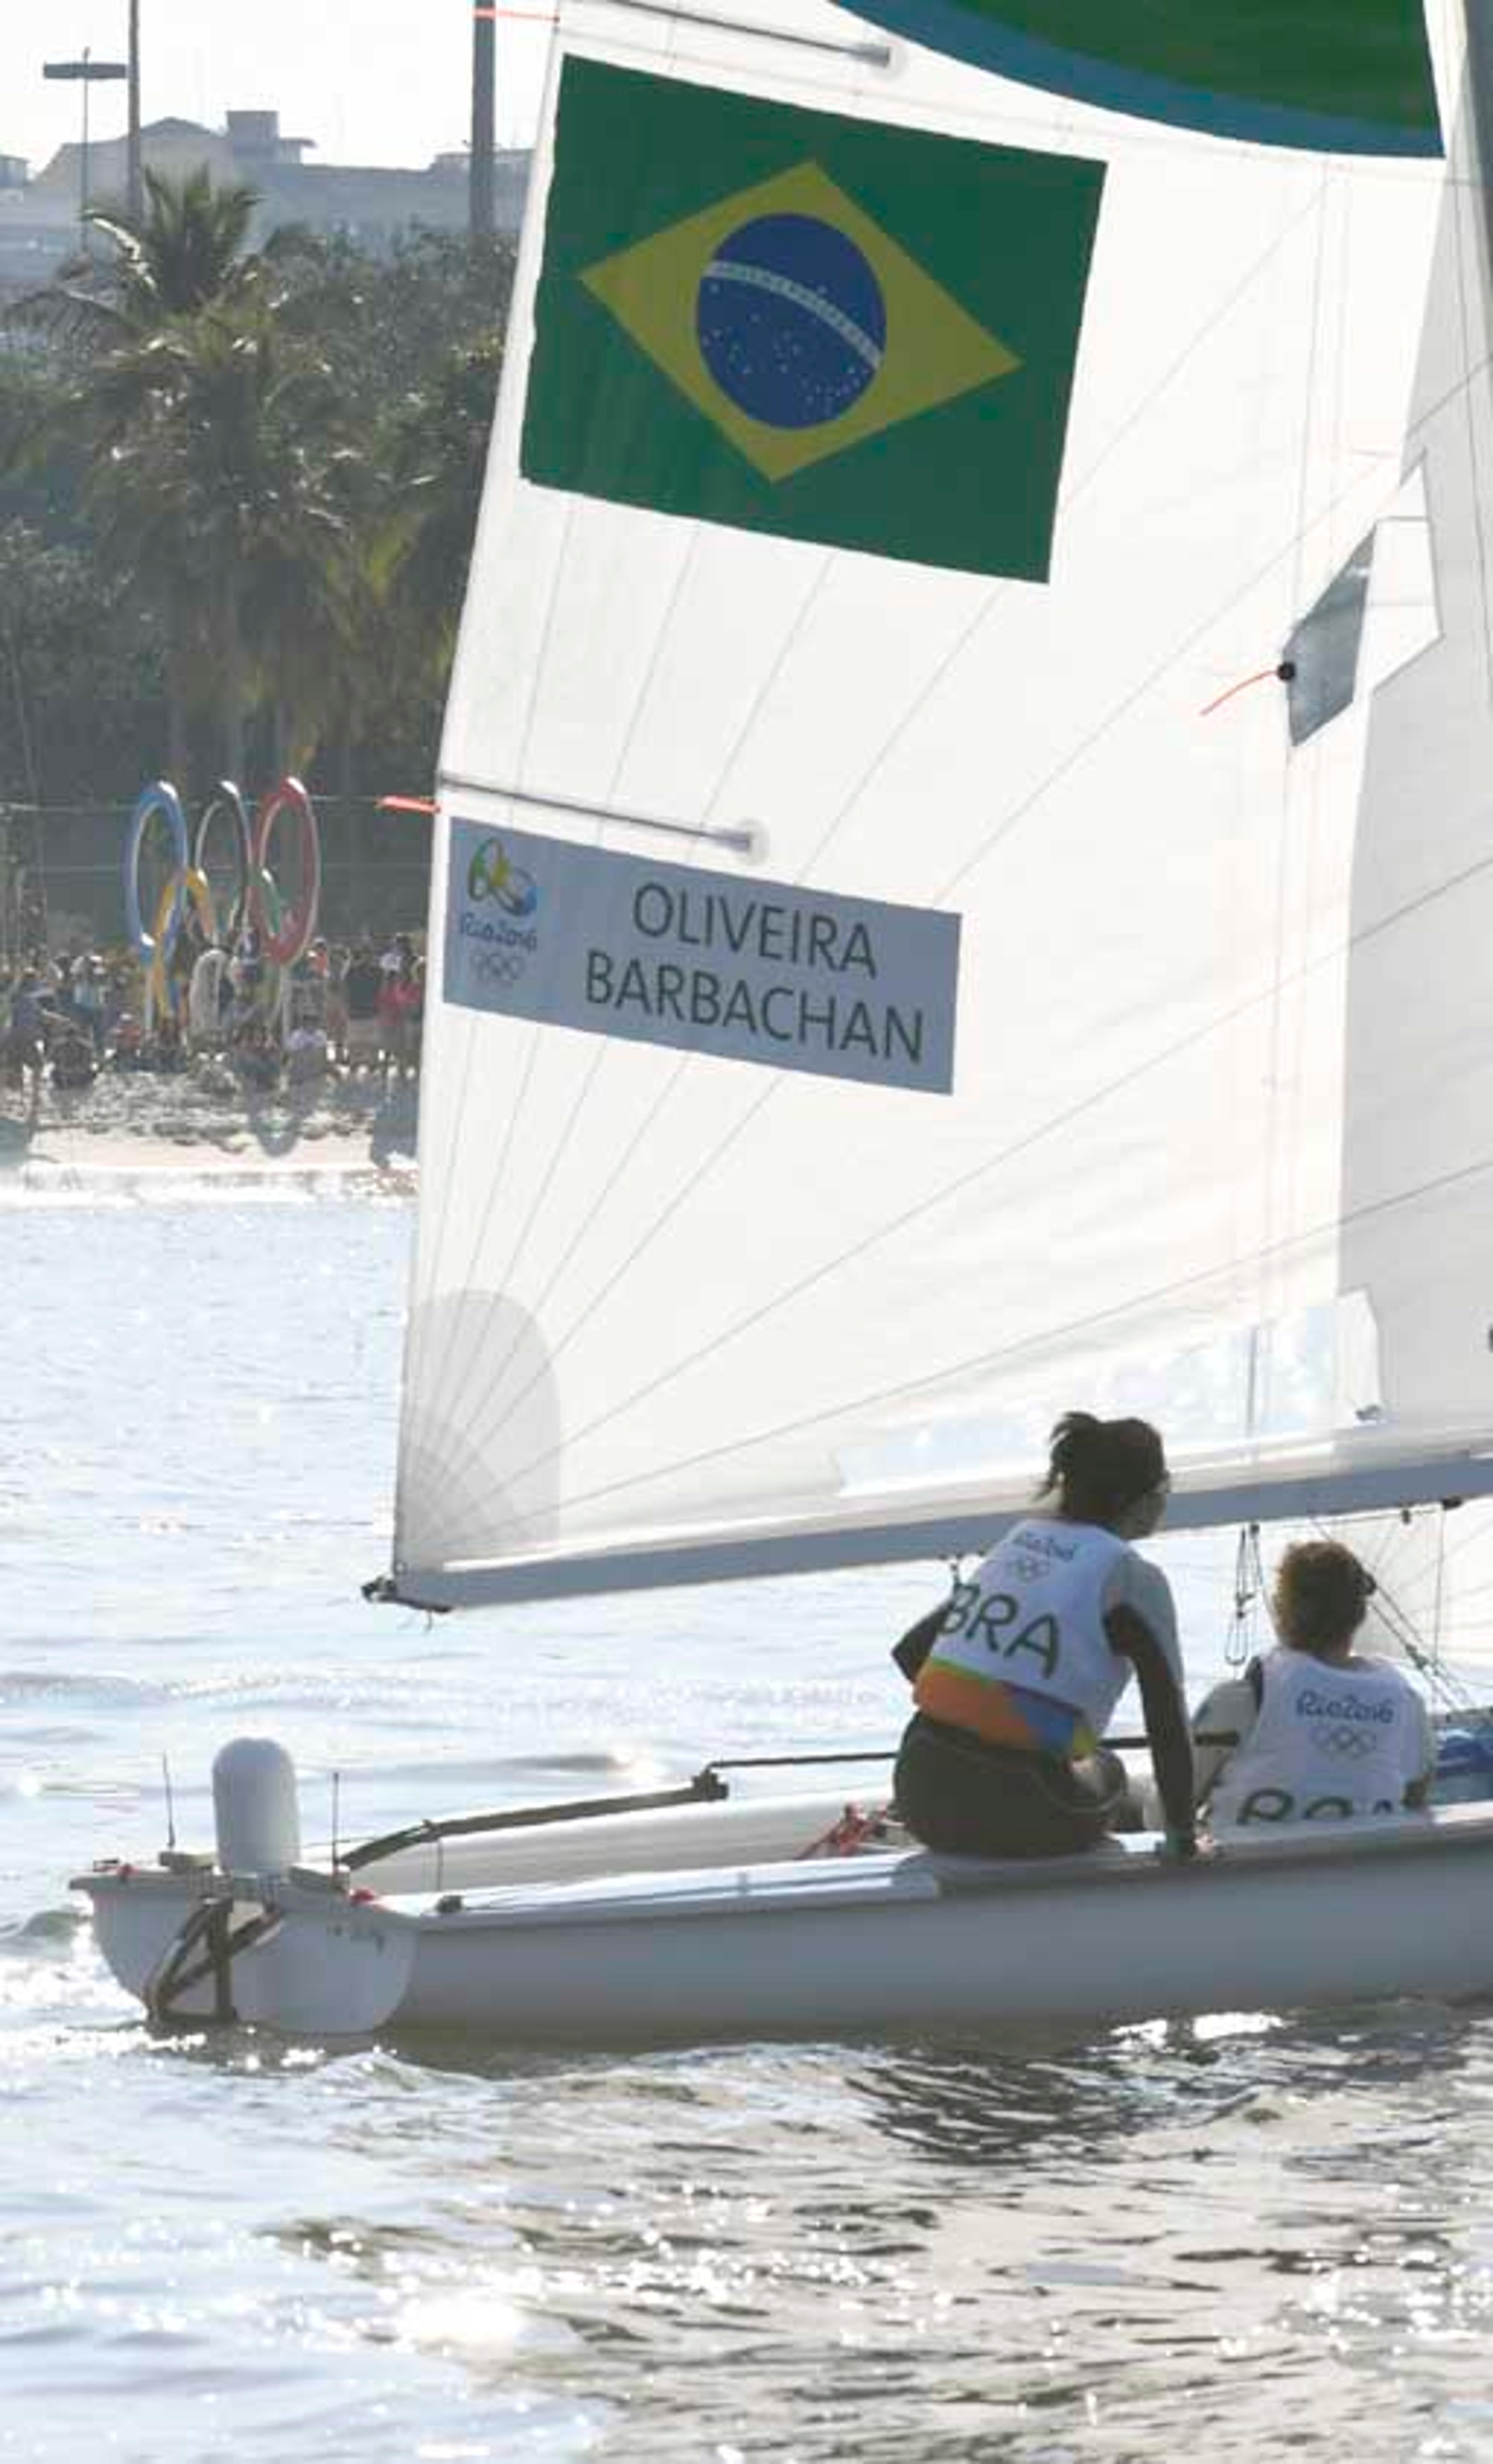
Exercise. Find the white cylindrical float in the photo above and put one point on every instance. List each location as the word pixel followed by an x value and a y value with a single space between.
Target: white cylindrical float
pixel 255 1809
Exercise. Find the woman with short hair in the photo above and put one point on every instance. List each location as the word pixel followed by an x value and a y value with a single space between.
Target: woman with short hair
pixel 1016 1678
pixel 1325 1734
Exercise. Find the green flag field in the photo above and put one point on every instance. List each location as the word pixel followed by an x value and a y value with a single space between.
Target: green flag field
pixel 790 322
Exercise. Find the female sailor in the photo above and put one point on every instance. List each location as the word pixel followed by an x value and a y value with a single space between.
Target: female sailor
pixel 1323 1734
pixel 1017 1677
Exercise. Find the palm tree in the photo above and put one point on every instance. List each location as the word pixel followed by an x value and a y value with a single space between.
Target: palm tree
pixel 438 455
pixel 227 483
pixel 212 451
pixel 187 250
pixel 256 470
pixel 118 319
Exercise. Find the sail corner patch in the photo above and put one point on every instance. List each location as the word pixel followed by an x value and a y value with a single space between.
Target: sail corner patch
pixel 822 329
pixel 710 962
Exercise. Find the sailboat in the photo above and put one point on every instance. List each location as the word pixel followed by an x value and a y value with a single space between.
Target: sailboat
pixel 962 882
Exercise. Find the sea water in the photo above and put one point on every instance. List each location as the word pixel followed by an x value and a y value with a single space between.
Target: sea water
pixel 1242 2238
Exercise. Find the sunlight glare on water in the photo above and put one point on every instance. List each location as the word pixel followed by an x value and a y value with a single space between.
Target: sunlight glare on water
pixel 1238 2238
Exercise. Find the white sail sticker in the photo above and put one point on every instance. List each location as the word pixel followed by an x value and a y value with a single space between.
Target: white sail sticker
pixel 715 962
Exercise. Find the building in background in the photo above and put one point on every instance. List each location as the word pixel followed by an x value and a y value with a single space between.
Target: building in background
pixel 369 203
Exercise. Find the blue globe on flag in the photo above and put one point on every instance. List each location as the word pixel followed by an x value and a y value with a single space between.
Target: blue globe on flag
pixel 791 320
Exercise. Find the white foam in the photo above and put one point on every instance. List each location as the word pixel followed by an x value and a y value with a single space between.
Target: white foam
pixel 46 1184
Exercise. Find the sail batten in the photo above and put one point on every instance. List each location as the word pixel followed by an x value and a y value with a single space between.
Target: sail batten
pixel 576 808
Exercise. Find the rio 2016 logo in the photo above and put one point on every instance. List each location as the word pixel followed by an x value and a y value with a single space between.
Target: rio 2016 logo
pixel 493 875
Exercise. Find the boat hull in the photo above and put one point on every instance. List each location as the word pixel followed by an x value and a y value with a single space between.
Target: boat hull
pixel 887 1944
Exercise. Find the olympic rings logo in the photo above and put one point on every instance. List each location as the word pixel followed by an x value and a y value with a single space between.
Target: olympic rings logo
pixel 285 926
pixel 490 969
pixel 1348 1745
pixel 492 874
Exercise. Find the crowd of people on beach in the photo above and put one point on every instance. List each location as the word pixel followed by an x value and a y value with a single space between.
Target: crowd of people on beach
pixel 342 1010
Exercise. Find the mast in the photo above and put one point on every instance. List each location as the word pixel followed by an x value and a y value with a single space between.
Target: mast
pixel 1480 84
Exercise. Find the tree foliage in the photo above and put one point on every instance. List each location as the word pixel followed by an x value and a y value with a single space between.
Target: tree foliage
pixel 81 676
pixel 437 446
pixel 267 459
pixel 187 250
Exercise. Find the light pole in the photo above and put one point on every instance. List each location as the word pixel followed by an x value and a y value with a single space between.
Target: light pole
pixel 134 197
pixel 84 72
pixel 484 62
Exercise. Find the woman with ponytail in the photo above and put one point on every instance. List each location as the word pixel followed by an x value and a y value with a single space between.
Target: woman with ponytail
pixel 1017 1677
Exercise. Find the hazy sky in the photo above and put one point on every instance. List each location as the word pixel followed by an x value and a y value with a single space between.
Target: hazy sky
pixel 371 80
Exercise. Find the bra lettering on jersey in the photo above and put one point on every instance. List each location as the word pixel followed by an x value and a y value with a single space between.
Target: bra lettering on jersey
pixel 1023 1658
pixel 988 1617
pixel 1278 1805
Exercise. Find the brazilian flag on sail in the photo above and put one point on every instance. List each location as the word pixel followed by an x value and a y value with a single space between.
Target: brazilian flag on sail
pixel 1341 76
pixel 823 328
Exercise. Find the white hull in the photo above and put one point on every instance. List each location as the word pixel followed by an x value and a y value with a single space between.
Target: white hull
pixel 884 1942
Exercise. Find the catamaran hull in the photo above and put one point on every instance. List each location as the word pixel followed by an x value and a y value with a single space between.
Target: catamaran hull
pixel 879 1945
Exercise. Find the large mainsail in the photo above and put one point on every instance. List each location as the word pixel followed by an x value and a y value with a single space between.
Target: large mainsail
pixel 886 984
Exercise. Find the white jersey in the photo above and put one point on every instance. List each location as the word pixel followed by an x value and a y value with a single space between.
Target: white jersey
pixel 1022 1658
pixel 1330 1743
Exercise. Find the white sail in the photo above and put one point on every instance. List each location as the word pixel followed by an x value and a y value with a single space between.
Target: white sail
pixel 1216 1143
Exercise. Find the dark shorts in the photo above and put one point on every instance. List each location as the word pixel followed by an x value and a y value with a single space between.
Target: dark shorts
pixel 972 1800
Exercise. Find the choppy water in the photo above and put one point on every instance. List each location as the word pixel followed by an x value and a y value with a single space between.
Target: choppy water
pixel 1244 2238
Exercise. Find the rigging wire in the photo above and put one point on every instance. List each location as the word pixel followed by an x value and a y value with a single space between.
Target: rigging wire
pixel 1449 1691
pixel 1451 1695
pixel 1249 1592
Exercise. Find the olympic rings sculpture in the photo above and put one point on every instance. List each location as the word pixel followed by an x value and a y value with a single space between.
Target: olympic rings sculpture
pixel 224 818
pixel 285 930
pixel 159 797
pixel 286 934
pixel 192 885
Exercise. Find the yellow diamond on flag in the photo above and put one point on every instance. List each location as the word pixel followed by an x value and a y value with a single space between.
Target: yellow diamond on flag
pixel 794 322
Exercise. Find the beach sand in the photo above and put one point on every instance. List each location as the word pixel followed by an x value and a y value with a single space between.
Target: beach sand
pixel 130 1124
